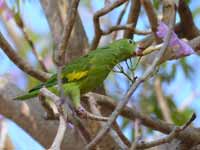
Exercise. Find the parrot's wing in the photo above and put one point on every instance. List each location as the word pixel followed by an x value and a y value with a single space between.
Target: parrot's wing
pixel 52 81
pixel 73 72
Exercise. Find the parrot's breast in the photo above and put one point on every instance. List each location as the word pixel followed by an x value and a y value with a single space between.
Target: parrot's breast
pixel 95 78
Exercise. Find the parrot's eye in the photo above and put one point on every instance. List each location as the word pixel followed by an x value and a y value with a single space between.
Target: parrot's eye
pixel 130 41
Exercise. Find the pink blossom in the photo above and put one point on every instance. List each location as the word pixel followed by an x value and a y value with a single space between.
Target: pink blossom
pixel 1 117
pixel 1 4
pixel 70 126
pixel 8 15
pixel 183 49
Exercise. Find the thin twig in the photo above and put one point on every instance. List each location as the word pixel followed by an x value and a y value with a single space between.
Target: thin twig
pixel 68 26
pixel 120 19
pixel 96 20
pixel 122 14
pixel 137 127
pixel 162 101
pixel 121 134
pixel 20 23
pixel 168 138
pixel 113 134
pixel 37 56
pixel 137 133
pixel 20 62
pixel 128 27
pixel 56 145
pixel 132 89
pixel 121 70
pixel 91 116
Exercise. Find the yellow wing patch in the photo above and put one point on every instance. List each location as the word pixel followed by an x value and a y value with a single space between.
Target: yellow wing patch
pixel 76 75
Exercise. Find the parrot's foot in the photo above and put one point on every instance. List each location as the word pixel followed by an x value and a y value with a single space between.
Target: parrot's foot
pixel 70 125
pixel 84 114
pixel 48 116
pixel 81 112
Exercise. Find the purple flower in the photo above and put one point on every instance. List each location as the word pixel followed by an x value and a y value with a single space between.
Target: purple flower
pixel 8 15
pixel 1 117
pixel 70 126
pixel 183 49
pixel 1 4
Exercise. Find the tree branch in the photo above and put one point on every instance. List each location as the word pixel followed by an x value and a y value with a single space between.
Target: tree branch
pixel 187 21
pixel 133 16
pixel 120 19
pixel 56 12
pixel 96 20
pixel 153 123
pixel 174 134
pixel 151 16
pixel 68 25
pixel 113 134
pixel 132 89
pixel 128 27
pixel 162 101
pixel 56 145
pixel 21 63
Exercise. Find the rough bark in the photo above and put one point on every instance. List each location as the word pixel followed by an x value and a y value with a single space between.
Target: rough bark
pixel 56 13
pixel 29 115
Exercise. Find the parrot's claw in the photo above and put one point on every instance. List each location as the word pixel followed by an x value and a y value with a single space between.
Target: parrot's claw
pixel 51 117
pixel 81 112
pixel 70 125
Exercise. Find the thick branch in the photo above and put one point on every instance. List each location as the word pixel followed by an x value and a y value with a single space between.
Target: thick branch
pixel 29 115
pixel 188 28
pixel 133 16
pixel 151 16
pixel 56 12
pixel 68 25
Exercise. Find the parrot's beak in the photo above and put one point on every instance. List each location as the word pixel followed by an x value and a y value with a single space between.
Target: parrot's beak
pixel 140 51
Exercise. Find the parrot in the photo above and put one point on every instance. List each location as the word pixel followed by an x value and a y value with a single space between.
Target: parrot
pixel 85 73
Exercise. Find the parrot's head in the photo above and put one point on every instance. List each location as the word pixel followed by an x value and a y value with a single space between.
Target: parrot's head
pixel 125 48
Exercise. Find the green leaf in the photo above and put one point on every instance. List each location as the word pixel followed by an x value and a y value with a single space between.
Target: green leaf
pixel 187 69
pixel 156 4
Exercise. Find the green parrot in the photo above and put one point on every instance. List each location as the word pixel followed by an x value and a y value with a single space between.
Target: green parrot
pixel 87 72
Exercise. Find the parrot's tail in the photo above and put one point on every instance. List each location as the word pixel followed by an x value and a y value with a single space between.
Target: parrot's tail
pixel 47 85
pixel 27 96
